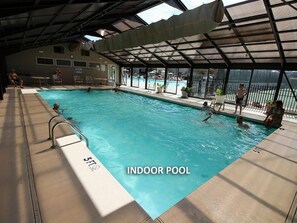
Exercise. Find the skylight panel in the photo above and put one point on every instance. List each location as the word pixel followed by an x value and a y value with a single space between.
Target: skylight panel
pixel 165 11
pixel 190 4
pixel 155 14
pixel 92 38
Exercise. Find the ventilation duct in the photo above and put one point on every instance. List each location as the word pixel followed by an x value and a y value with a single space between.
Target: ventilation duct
pixel 202 19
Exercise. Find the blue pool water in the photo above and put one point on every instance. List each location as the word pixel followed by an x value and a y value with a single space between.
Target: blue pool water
pixel 130 130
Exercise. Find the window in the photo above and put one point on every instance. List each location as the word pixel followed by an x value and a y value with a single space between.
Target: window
pixel 94 65
pixel 111 73
pixel 59 49
pixel 44 61
pixel 62 62
pixel 85 53
pixel 79 63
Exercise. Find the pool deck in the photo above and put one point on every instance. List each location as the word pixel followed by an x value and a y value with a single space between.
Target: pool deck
pixel 38 183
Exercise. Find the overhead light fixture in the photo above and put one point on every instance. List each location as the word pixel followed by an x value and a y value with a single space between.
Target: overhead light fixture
pixel 102 32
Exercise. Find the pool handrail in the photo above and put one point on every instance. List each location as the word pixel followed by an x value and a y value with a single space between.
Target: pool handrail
pixel 81 135
pixel 49 125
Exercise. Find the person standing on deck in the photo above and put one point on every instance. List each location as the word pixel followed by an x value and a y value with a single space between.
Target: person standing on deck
pixel 240 93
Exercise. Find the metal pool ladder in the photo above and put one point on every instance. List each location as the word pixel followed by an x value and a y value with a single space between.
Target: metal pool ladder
pixel 51 130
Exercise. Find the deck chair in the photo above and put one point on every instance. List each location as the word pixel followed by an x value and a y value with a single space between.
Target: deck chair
pixel 78 80
pixel 56 79
pixel 218 100
pixel 89 80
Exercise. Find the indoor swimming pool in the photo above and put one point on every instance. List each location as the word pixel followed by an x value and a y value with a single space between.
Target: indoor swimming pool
pixel 129 133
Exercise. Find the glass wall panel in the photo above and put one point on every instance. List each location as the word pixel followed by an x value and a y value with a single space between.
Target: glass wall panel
pixel 237 77
pixel 126 74
pixel 216 79
pixel 138 77
pixel 172 80
pixel 183 79
pixel 154 76
pixel 176 79
pixel 286 93
pixel 199 85
pixel 206 81
pixel 263 88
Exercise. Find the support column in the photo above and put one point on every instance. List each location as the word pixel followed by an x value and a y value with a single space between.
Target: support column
pixel 3 76
pixel 226 80
pixel 248 90
pixel 279 82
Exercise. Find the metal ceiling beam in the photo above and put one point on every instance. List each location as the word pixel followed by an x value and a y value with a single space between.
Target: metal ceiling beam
pixel 36 2
pixel 21 7
pixel 15 5
pixel 138 58
pixel 245 66
pixel 258 23
pixel 94 16
pixel 284 3
pixel 244 52
pixel 288 31
pixel 226 60
pixel 202 55
pixel 255 44
pixel 116 17
pixel 275 32
pixel 222 38
pixel 110 58
pixel 285 19
pixel 176 4
pixel 188 60
pixel 163 62
pixel 50 40
pixel 12 32
pixel 74 31
pixel 137 19
pixel 73 19
pixel 238 35
pixel 11 11
pixel 52 20
pixel 241 3
pixel 20 38
pixel 246 19
pixel 16 31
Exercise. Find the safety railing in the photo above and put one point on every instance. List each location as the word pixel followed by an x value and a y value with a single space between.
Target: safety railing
pixel 64 121
pixel 49 125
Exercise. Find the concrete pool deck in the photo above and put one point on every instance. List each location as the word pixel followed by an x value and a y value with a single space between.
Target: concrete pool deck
pixel 39 185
